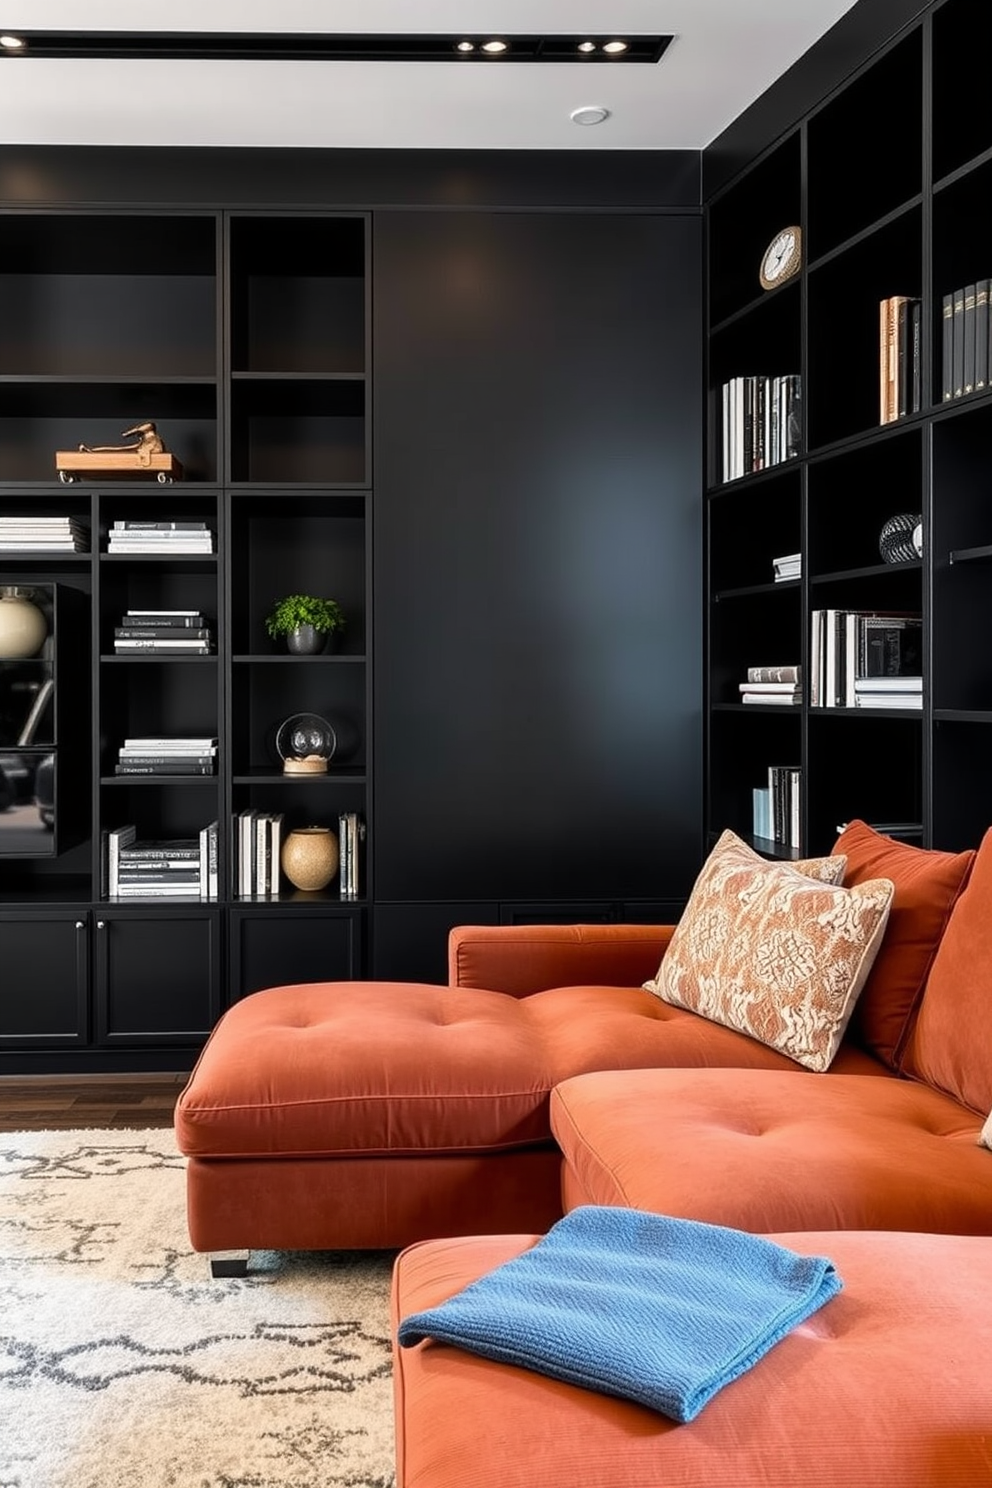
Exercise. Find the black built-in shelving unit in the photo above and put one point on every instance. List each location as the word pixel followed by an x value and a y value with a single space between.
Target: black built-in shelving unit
pixel 889 178
pixel 245 337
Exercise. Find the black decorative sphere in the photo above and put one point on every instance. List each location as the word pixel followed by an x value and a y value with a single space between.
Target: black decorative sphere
pixel 896 539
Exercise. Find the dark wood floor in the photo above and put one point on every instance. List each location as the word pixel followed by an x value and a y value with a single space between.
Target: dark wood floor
pixel 62 1102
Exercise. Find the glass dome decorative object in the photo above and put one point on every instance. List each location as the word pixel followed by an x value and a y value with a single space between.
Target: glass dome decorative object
pixel 305 743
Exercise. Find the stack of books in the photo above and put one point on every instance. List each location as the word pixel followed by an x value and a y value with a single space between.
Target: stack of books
pixel 777 806
pixel 155 869
pixel 776 685
pixel 167 756
pixel 888 692
pixel 52 534
pixel 351 833
pixel 883 648
pixel 173 632
pixel 762 423
pixel 966 361
pixel 789 566
pixel 163 538
pixel 256 843
pixel 898 357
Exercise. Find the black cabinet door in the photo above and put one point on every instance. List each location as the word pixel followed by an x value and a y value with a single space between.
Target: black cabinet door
pixel 44 981
pixel 282 945
pixel 537 536
pixel 157 975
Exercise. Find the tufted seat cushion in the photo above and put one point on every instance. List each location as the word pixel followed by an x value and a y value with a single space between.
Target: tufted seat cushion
pixel 366 1067
pixel 737 1147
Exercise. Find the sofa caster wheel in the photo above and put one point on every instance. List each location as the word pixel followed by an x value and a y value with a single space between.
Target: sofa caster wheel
pixel 229 1263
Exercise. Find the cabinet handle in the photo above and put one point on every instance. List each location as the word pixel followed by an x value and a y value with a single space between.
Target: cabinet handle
pixel 101 924
pixel 80 924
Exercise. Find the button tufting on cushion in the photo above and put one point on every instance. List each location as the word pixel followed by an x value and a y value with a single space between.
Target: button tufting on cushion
pixel 366 1067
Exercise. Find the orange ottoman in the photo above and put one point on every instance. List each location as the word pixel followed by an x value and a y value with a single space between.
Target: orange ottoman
pixel 365 1114
pixel 888 1384
pixel 763 1150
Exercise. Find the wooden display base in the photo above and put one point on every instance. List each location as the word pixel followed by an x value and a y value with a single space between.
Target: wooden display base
pixel 314 764
pixel 123 465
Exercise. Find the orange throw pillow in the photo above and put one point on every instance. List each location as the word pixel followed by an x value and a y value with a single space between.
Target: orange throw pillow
pixel 951 1043
pixel 772 953
pixel 927 885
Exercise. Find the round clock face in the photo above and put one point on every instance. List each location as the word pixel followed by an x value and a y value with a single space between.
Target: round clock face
pixel 782 258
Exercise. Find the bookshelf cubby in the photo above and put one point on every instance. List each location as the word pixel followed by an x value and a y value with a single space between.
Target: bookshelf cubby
pixel 889 179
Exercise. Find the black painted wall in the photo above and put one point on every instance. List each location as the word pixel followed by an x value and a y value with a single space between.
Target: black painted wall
pixel 537 520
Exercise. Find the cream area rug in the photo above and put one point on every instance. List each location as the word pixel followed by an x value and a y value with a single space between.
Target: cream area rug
pixel 123 1364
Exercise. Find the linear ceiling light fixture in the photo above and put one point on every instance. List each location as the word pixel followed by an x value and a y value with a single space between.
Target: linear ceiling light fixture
pixel 323 47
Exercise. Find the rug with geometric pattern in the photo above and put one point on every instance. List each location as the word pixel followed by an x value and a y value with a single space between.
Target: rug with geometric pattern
pixel 124 1364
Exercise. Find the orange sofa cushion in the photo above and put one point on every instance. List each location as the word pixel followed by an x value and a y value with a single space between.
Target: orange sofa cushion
pixel 888 1384
pixel 761 1150
pixel 951 1044
pixel 366 1067
pixel 927 885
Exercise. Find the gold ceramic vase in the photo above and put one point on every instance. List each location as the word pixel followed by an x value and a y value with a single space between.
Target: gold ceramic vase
pixel 309 857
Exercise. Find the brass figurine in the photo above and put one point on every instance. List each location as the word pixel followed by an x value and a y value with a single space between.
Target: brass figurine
pixel 149 442
pixel 146 456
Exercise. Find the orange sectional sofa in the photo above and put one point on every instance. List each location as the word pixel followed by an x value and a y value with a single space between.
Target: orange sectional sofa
pixel 465 1119
pixel 373 1115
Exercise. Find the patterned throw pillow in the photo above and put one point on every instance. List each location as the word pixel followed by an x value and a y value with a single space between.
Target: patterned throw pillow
pixel 772 952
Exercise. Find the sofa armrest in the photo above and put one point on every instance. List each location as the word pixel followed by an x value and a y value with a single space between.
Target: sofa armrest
pixel 520 959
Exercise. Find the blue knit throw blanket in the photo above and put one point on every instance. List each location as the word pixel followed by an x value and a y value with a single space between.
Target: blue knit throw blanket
pixel 658 1310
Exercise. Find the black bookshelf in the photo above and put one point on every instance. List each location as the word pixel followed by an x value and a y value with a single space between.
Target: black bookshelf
pixel 888 177
pixel 245 337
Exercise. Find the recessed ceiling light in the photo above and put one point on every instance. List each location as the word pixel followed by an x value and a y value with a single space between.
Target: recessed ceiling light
pixel 494 47
pixel 465 46
pixel 614 48
pixel 586 46
pixel 592 113
pixel 12 43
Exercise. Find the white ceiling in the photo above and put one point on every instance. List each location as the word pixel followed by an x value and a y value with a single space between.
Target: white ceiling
pixel 725 54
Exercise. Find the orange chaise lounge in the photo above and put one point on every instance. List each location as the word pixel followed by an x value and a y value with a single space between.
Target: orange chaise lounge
pixel 374 1115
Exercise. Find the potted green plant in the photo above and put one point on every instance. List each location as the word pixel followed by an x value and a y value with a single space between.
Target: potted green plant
pixel 307 623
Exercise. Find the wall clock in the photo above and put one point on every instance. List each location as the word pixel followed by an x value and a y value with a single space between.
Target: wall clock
pixel 782 258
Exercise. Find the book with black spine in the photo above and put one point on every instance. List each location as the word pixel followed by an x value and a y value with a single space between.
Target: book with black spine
pixel 164 847
pixel 163 632
pixel 167 756
pixel 794 415
pixel 133 525
pixel 969 339
pixel 177 767
pixel 982 287
pixel 213 860
pixel 957 345
pixel 947 348
pixel 904 358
